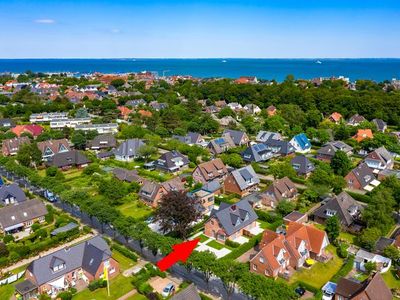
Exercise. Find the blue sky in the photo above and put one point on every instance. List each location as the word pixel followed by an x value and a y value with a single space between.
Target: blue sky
pixel 150 28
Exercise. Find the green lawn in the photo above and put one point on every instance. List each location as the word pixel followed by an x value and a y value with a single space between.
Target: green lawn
pixel 391 279
pixel 319 273
pixel 348 237
pixel 124 262
pixel 119 286
pixel 135 209
pixel 214 244
pixel 202 238
pixel 137 297
pixel 6 291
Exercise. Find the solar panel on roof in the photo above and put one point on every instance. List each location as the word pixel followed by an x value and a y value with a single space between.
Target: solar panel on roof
pixel 246 174
pixel 219 141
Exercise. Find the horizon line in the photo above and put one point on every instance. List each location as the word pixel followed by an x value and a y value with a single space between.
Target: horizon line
pixel 184 58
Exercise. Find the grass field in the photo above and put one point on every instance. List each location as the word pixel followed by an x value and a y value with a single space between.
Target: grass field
pixel 391 280
pixel 6 291
pixel 202 238
pixel 119 286
pixel 319 273
pixel 214 244
pixel 135 209
pixel 137 297
pixel 124 262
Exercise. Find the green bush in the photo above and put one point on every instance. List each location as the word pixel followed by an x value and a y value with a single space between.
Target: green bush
pixel 204 297
pixel 96 284
pixel 145 288
pixel 65 295
pixel 342 250
pixel 232 244
pixel 126 252
pixel 344 270
pixel 359 197
pixel 8 238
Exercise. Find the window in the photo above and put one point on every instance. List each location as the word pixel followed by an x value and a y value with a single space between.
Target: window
pixel 254 267
pixel 261 259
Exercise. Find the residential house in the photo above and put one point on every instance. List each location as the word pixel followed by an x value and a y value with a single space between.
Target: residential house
pixel 209 171
pixel 192 138
pixel 188 293
pixel 175 184
pixel 344 207
pixel 66 268
pixel 213 186
pixel 252 109
pixel 69 123
pixel 15 218
pixel 380 125
pixel 11 194
pixel 7 123
pixel 47 117
pixel 66 160
pixel 11 146
pixel 271 111
pixel 204 198
pixel 231 221
pixel 236 107
pixel 102 141
pixel 220 145
pixel 280 189
pixel 124 112
pixel 53 147
pixel 280 148
pixel 220 103
pixel 356 120
pixel 32 129
pixel 363 134
pixel 100 128
pixel 246 80
pixel 335 117
pixel 226 121
pixel 362 257
pixel 302 165
pixel 264 136
pixel 172 161
pixel 301 143
pixel 295 216
pixel 387 173
pixel 129 150
pixel 128 175
pixel 257 153
pixel 327 151
pixel 238 137
pixel 379 159
pixel 158 106
pixel 135 103
pixel 151 193
pixel 242 181
pixel 361 178
pixel 282 253
pixel 372 288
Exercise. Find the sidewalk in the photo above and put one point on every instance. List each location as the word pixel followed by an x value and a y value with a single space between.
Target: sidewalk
pixel 44 253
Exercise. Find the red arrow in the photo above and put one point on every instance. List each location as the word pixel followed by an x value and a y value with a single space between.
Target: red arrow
pixel 180 252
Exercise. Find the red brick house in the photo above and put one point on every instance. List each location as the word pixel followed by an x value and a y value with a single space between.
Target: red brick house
pixel 242 181
pixel 231 221
pixel 32 129
pixel 11 146
pixel 72 266
pixel 211 170
pixel 281 253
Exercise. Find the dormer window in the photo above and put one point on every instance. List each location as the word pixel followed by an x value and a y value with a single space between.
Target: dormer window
pixel 330 212
pixel 261 259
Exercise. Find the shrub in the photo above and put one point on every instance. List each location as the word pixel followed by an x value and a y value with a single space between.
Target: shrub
pixel 232 244
pixel 8 238
pixel 126 252
pixel 344 270
pixel 342 250
pixel 145 288
pixel 65 296
pixel 51 171
pixel 35 227
pixel 96 284
pixel 86 229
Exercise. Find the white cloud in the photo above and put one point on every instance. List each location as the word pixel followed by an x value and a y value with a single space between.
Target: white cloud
pixel 115 30
pixel 45 21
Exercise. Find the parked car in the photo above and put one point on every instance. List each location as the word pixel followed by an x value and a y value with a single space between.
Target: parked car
pixel 300 291
pixel 168 290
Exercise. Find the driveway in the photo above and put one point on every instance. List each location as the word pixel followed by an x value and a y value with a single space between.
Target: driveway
pixel 159 283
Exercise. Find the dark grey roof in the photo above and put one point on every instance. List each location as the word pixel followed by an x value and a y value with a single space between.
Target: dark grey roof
pixel 264 136
pixel 190 138
pixel 382 243
pixel 280 147
pixel 245 177
pixel 189 293
pixel 380 124
pixel 25 211
pixel 11 190
pixel 88 255
pixel 343 206
pixel 127 175
pixel 65 228
pixel 236 135
pixel 7 123
pixel 363 174
pixel 149 190
pixel 212 186
pixel 129 148
pixel 25 287
pixel 302 164
pixel 329 149
pixel 102 141
pixel 257 153
pixel 356 119
pixel 70 158
pixel 236 216
pixel 171 161
pixel 105 154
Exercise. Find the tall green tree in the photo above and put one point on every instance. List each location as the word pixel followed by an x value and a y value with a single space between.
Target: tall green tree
pixel 332 228
pixel 341 163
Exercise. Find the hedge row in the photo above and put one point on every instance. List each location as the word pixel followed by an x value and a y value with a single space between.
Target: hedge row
pixel 126 252
pixel 344 270
pixel 244 248
pixel 359 197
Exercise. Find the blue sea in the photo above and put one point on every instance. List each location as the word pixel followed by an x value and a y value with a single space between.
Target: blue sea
pixel 278 69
